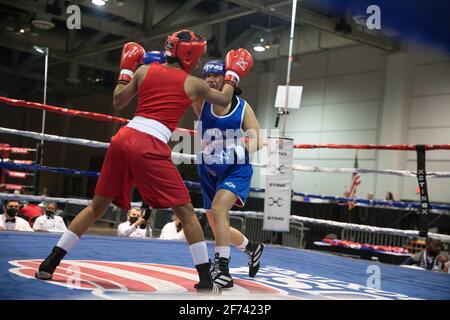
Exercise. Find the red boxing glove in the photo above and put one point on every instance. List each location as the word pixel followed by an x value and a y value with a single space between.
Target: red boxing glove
pixel 237 63
pixel 132 55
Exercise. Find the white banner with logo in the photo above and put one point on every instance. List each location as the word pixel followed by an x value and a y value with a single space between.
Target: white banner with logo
pixel 277 201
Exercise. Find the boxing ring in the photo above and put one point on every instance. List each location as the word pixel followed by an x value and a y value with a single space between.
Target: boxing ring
pixel 106 267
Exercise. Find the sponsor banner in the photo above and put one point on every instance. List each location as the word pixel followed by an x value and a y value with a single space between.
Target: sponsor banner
pixel 277 201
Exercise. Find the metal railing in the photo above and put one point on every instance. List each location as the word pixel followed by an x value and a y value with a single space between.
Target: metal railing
pixel 374 238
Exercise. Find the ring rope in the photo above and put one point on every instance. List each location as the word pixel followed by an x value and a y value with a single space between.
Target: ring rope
pixel 395 204
pixel 404 147
pixel 22 197
pixel 34 167
pixel 399 204
pixel 349 226
pixel 16 150
pixel 108 118
pixel 64 111
pixel 54 138
pixel 72 112
pixel 403 173
pixel 193 184
pixel 250 214
pixel 296 167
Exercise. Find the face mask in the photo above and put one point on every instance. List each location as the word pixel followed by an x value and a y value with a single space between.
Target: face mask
pixel 133 219
pixel 49 213
pixel 11 212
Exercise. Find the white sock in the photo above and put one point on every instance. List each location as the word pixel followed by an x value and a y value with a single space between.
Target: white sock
pixel 199 252
pixel 243 245
pixel 68 240
pixel 224 252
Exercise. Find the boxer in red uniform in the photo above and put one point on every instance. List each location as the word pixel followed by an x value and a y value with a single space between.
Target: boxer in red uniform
pixel 139 155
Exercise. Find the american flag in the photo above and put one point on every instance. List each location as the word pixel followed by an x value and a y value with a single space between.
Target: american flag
pixel 356 179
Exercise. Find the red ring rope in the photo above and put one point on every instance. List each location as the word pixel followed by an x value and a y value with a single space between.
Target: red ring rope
pixel 409 147
pixel 65 111
pixel 108 118
pixel 16 150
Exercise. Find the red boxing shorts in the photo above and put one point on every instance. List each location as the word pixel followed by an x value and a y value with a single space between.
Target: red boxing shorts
pixel 138 159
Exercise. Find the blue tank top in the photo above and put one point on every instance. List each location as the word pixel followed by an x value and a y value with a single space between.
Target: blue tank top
pixel 227 127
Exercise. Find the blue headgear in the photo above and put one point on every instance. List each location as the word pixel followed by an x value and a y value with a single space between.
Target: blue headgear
pixel 214 66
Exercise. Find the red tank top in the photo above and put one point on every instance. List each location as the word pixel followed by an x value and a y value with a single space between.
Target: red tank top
pixel 161 95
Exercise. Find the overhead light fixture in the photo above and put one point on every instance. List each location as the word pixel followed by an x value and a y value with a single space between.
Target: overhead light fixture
pixel 261 44
pixel 42 22
pixel 22 30
pixel 99 2
pixel 40 50
pixel 259 48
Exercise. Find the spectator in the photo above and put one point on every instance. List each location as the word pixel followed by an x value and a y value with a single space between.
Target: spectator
pixel 389 196
pixel 428 258
pixel 50 222
pixel 135 226
pixel 446 267
pixel 31 212
pixel 370 196
pixel 9 219
pixel 444 259
pixel 172 230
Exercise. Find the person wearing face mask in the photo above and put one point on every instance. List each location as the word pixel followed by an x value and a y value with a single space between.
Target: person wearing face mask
pixel 49 221
pixel 427 259
pixel 10 221
pixel 135 226
pixel 172 230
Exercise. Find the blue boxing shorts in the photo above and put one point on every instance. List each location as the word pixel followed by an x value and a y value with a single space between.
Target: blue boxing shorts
pixel 236 179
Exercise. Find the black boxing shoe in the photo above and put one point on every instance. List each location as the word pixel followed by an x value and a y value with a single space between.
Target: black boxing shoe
pixel 222 276
pixel 254 251
pixel 206 284
pixel 49 265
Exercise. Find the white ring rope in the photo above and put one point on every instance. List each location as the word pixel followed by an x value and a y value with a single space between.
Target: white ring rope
pixel 22 197
pixel 192 157
pixel 349 226
pixel 49 137
pixel 247 214
pixel 403 173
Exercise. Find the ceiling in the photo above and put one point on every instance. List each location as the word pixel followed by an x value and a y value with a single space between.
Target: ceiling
pixel 80 60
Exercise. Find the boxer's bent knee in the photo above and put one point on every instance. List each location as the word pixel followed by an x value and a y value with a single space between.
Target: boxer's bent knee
pixel 99 204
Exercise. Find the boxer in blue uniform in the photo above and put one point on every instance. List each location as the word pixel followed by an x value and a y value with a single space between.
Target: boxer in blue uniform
pixel 224 171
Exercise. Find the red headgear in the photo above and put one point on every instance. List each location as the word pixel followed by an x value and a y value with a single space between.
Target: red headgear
pixel 186 47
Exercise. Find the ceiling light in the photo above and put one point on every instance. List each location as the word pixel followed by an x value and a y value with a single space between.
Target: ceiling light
pixel 41 50
pixel 42 24
pixel 99 2
pixel 259 48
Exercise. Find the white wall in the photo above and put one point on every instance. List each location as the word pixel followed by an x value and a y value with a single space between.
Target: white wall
pixel 429 120
pixel 362 95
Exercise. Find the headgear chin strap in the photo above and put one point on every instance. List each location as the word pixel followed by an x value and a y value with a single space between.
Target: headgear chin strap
pixel 186 47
